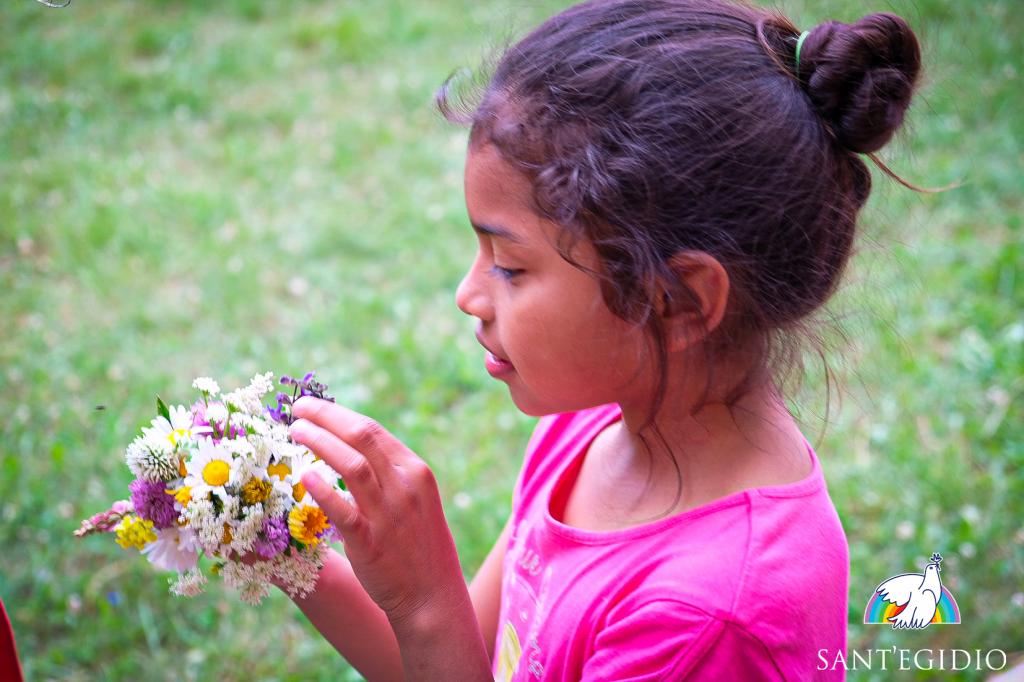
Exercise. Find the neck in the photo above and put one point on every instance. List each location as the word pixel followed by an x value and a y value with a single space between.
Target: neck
pixel 717 451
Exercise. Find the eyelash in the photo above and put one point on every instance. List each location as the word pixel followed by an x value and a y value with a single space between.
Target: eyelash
pixel 504 273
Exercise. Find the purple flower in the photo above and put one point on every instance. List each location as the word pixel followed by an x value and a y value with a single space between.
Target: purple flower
pixel 281 414
pixel 104 522
pixel 152 502
pixel 199 414
pixel 300 387
pixel 273 539
pixel 330 534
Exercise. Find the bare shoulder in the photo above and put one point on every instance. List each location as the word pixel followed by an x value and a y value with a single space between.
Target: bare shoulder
pixel 785 458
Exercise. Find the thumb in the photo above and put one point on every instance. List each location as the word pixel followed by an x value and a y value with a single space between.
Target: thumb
pixel 342 512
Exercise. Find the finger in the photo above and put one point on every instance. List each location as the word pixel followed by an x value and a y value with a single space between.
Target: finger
pixel 353 468
pixel 376 443
pixel 344 515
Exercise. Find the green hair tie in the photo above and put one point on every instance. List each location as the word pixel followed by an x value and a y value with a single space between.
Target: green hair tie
pixel 799 44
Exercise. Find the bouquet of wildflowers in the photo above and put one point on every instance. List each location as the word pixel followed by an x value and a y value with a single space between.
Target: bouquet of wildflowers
pixel 222 478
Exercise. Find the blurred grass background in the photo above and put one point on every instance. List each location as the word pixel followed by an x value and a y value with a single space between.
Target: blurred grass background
pixel 196 188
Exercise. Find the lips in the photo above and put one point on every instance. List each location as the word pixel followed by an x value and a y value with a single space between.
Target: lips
pixel 496 365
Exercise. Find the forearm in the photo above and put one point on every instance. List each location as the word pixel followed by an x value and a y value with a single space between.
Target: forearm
pixel 444 642
pixel 346 616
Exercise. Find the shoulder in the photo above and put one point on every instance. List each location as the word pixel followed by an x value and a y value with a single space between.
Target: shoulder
pixel 798 548
pixel 564 428
pixel 760 578
pixel 557 436
pixel 795 531
pixel 794 589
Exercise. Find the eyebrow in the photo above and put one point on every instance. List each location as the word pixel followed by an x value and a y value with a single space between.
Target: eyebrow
pixel 497 232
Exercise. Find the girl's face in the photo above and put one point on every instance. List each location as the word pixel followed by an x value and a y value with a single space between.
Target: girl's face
pixel 557 344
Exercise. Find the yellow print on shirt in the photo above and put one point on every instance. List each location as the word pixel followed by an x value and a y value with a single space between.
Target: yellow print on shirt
pixel 511 652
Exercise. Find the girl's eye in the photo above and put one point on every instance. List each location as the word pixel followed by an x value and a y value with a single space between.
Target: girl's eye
pixel 504 273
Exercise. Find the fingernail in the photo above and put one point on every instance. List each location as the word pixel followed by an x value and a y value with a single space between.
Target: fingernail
pixel 298 429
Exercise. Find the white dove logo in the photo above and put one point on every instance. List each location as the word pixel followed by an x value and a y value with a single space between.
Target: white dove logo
pixel 918 596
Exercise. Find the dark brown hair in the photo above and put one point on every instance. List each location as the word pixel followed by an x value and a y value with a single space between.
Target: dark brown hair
pixel 651 127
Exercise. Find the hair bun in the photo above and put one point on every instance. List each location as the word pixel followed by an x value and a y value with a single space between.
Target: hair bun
pixel 861 77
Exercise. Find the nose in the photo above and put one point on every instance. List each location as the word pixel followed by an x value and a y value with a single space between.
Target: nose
pixel 471 295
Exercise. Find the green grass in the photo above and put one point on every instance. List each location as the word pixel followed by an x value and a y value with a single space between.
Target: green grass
pixel 193 188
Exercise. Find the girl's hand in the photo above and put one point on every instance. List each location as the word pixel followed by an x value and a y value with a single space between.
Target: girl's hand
pixel 395 535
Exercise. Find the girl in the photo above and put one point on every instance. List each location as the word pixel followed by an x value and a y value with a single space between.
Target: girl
pixel 663 191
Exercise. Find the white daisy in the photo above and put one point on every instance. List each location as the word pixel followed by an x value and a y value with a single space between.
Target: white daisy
pixel 239 447
pixel 279 472
pixel 210 470
pixel 304 462
pixel 179 427
pixel 287 450
pixel 175 549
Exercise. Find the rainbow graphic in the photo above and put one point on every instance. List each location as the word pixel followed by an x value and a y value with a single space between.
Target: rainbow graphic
pixel 880 611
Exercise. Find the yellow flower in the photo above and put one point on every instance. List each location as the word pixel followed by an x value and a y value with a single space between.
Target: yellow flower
pixel 182 494
pixel 304 522
pixel 298 492
pixel 280 470
pixel 135 532
pixel 216 473
pixel 256 491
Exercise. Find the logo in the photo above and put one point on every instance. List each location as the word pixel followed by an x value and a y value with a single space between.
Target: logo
pixel 913 600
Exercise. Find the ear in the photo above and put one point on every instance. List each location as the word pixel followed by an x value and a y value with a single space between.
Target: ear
pixel 694 304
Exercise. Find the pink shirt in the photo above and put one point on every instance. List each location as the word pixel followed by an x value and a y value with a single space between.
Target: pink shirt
pixel 748 587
